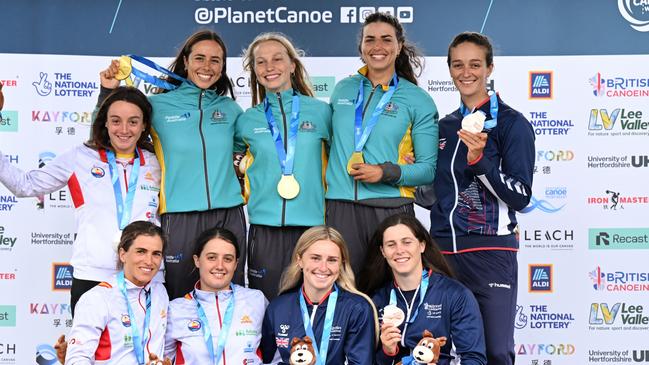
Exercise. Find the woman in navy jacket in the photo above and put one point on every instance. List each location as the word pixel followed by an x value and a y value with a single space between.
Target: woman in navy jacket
pixel 318 289
pixel 416 293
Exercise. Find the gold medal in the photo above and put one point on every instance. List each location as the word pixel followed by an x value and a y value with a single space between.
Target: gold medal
pixel 288 187
pixel 357 157
pixel 124 68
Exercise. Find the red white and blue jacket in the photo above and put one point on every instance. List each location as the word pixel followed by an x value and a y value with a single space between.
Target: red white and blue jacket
pixel 476 202
pixel 87 175
pixel 449 310
pixel 184 340
pixel 352 333
pixel 102 329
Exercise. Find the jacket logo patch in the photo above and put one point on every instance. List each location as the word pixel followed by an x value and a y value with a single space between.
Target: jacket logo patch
pixel 307 126
pixel 433 310
pixel 246 319
pixel 126 320
pixel 98 172
pixel 218 117
pixel 345 102
pixel 442 144
pixel 194 325
pixel 261 130
pixel 177 118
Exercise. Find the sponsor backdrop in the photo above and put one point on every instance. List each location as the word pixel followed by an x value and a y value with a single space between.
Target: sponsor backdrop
pixel 577 70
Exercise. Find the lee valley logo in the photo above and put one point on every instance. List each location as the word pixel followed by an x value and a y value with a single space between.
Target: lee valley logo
pixel 618 238
pixel 617 316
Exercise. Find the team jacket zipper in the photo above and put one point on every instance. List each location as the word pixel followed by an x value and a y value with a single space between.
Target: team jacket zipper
pixel 200 131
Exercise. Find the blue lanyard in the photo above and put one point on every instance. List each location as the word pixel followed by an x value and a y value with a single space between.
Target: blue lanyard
pixel 287 157
pixel 225 329
pixel 361 135
pixel 326 331
pixel 138 345
pixel 423 288
pixel 493 110
pixel 124 208
pixel 151 79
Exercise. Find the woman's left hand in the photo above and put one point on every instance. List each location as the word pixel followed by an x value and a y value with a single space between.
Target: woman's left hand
pixel 366 172
pixel 475 142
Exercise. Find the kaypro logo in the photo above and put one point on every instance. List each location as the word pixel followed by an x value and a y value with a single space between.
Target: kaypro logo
pixel 353 14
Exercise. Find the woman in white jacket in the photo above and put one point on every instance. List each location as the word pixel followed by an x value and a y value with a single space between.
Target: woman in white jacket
pixel 114 179
pixel 217 313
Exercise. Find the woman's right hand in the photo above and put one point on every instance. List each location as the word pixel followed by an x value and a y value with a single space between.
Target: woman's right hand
pixel 107 76
pixel 390 337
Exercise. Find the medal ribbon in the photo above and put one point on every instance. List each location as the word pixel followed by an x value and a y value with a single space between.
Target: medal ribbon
pixel 322 349
pixel 225 329
pixel 493 111
pixel 423 287
pixel 361 135
pixel 151 79
pixel 287 157
pixel 138 345
pixel 124 208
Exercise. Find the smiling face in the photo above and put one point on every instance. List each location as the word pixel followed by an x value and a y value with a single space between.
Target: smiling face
pixel 320 265
pixel 469 71
pixel 204 63
pixel 142 260
pixel 125 125
pixel 402 250
pixel 379 48
pixel 216 264
pixel 273 66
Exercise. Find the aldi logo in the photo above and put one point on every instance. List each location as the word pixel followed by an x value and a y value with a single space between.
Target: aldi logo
pixel 541 85
pixel 540 278
pixel 61 276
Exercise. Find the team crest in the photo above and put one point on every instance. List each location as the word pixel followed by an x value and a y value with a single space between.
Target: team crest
pixel 391 107
pixel 126 320
pixel 194 325
pixel 98 172
pixel 307 126
pixel 218 117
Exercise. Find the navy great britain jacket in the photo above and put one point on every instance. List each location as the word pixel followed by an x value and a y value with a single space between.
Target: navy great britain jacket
pixel 448 309
pixel 352 332
pixel 476 204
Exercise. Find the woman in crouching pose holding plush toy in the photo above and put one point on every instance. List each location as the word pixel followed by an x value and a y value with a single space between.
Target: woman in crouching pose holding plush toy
pixel 318 299
pixel 414 292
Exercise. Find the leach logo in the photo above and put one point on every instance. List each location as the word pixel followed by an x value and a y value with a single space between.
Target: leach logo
pixel 630 10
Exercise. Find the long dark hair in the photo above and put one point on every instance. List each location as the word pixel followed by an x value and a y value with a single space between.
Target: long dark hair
pixel 377 272
pixel 99 138
pixel 223 85
pixel 410 62
pixel 215 232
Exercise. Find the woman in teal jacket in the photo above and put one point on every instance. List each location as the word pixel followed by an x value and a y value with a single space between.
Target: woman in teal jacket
pixel 193 134
pixel 381 119
pixel 285 136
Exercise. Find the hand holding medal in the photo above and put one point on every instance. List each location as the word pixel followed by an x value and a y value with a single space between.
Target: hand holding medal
pixel 474 122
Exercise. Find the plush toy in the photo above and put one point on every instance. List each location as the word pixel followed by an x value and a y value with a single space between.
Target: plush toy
pixel 302 352
pixel 153 360
pixel 426 352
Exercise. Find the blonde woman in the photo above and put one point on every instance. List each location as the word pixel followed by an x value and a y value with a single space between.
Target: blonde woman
pixel 318 299
pixel 284 136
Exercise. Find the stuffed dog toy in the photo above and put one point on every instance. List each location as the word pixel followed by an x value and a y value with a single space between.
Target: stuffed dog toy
pixel 426 352
pixel 302 352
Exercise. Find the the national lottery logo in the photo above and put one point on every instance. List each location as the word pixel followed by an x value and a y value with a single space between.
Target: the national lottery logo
pixel 97 172
pixel 63 84
pixel 194 325
pixel 126 320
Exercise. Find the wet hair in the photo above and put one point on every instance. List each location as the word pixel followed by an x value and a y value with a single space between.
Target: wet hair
pixel 99 138
pixel 377 272
pixel 478 39
pixel 212 233
pixel 223 85
pixel 410 62
pixel 136 229
pixel 299 78
pixel 293 278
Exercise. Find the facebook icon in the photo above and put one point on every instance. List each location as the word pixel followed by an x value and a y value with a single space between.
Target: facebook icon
pixel 348 14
